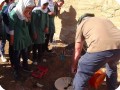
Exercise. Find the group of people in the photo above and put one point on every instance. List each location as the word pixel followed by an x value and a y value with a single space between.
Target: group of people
pixel 24 24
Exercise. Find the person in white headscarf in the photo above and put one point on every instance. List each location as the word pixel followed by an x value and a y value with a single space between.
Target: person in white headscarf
pixel 51 25
pixel 5 27
pixel 52 12
pixel 39 23
pixel 22 7
pixel 43 5
pixel 50 5
pixel 1 1
pixel 19 36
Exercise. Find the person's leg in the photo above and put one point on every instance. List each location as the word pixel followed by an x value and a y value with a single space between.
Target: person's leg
pixel 87 66
pixel 11 51
pixel 3 44
pixel 111 71
pixel 35 48
pixel 24 54
pixel 16 60
pixel 40 52
pixel 16 64
pixel 4 38
pixel 0 47
pixel 24 57
pixel 45 46
pixel 11 55
pixel 29 51
pixel 3 51
pixel 51 37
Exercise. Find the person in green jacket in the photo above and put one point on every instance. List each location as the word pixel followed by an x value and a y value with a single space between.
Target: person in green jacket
pixel 53 10
pixel 39 22
pixel 1 28
pixel 19 33
pixel 4 29
pixel 6 34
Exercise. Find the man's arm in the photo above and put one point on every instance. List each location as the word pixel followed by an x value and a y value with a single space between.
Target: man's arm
pixel 77 55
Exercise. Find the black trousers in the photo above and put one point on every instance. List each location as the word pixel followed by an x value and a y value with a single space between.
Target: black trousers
pixel 51 37
pixel 45 45
pixel 16 58
pixel 37 52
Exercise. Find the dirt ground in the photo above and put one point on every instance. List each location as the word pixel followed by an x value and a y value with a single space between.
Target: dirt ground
pixel 56 68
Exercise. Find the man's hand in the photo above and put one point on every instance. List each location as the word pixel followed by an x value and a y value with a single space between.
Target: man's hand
pixel 74 69
pixel 77 55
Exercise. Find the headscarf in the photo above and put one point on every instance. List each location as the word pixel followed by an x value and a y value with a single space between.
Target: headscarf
pixel 20 7
pixel 51 5
pixel 1 1
pixel 41 3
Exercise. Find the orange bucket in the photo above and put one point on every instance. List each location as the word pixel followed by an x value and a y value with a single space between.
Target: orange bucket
pixel 97 79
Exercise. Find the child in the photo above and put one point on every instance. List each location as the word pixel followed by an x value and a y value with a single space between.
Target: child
pixel 19 34
pixel 4 28
pixel 2 2
pixel 57 7
pixel 6 36
pixel 1 29
pixel 53 10
pixel 39 26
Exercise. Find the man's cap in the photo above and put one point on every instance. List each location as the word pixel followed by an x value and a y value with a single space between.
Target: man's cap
pixel 85 15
